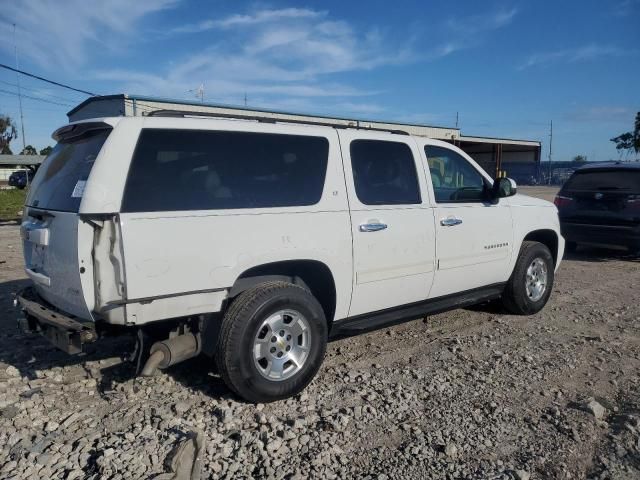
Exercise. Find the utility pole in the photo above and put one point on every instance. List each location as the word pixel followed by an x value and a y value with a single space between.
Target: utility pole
pixel 245 99
pixel 199 92
pixel 550 147
pixel 456 119
pixel 15 46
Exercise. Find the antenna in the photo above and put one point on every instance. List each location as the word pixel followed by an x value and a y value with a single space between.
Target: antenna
pixel 245 99
pixel 15 46
pixel 199 92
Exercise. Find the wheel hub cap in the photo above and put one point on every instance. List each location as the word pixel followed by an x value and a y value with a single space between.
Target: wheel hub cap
pixel 281 346
pixel 536 281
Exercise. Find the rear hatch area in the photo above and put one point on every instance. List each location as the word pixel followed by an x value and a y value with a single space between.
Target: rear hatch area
pixel 54 237
pixel 606 197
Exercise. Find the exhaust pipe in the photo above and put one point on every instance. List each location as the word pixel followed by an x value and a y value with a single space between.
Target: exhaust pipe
pixel 171 351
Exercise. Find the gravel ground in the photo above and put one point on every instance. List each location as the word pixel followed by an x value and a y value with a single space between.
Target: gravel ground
pixel 472 393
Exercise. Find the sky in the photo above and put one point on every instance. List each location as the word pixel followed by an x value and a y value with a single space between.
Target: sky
pixel 503 68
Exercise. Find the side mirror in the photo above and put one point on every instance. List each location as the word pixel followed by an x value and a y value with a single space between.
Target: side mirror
pixel 504 187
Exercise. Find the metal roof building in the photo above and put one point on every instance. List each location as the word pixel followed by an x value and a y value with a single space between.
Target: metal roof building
pixel 20 160
pixel 12 163
pixel 519 158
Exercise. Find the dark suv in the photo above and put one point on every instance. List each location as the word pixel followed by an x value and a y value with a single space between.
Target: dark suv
pixel 21 178
pixel 600 204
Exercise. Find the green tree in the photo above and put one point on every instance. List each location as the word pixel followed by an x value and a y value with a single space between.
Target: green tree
pixel 6 150
pixel 46 150
pixel 624 142
pixel 636 134
pixel 29 150
pixel 629 141
pixel 579 159
pixel 7 131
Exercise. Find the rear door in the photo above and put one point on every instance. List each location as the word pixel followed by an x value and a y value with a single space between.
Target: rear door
pixel 54 239
pixel 391 221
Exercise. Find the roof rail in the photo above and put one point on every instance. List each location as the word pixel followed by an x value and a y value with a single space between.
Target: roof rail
pixel 238 116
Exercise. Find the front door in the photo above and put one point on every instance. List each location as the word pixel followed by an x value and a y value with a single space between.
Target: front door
pixel 391 220
pixel 474 236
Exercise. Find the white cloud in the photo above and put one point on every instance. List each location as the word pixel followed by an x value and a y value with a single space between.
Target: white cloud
pixel 292 57
pixel 602 114
pixel 289 53
pixel 283 56
pixel 467 32
pixel 261 16
pixel 572 55
pixel 625 8
pixel 56 34
pixel 474 24
pixel 297 43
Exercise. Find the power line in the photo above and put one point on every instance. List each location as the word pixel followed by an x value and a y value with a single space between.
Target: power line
pixel 38 91
pixel 2 65
pixel 35 108
pixel 36 98
pixel 137 104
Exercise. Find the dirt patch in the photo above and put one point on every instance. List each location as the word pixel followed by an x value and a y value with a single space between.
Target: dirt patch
pixel 540 191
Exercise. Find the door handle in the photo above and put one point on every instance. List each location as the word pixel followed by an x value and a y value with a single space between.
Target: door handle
pixel 450 222
pixel 372 227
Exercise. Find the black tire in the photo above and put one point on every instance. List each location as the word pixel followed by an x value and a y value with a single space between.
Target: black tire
pixel 570 247
pixel 515 297
pixel 240 324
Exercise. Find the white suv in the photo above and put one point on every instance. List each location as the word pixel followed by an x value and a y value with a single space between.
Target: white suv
pixel 254 242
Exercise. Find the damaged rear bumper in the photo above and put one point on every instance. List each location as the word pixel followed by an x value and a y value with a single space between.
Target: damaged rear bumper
pixel 65 332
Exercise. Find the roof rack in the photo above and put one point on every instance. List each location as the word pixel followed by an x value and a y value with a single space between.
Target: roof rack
pixel 186 113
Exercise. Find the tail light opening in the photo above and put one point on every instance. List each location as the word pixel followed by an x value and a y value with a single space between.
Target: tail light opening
pixel 633 201
pixel 562 201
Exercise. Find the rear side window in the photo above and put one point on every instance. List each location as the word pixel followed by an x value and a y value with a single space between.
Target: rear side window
pixel 625 180
pixel 174 170
pixel 384 173
pixel 59 183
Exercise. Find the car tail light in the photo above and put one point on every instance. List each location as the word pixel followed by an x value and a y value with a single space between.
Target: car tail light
pixel 561 201
pixel 633 201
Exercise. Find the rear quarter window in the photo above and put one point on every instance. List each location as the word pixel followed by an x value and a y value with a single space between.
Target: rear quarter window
pixel 174 170
pixel 59 183
pixel 621 179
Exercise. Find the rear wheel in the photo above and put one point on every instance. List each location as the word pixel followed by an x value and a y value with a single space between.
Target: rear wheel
pixel 529 287
pixel 272 342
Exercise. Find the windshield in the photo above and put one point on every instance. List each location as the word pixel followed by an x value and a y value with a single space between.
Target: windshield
pixel 624 180
pixel 59 183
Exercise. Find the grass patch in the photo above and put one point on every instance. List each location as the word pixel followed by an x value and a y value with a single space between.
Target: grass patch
pixel 11 202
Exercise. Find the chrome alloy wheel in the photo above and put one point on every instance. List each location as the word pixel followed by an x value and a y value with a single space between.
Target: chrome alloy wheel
pixel 537 278
pixel 282 344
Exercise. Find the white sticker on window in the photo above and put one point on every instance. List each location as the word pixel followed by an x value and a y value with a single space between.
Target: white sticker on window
pixel 78 190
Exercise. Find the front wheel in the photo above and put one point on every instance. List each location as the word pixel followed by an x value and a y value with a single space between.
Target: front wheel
pixel 272 342
pixel 529 287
